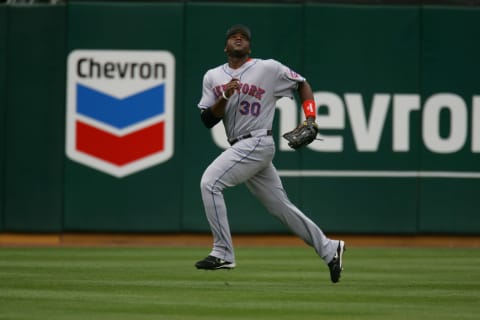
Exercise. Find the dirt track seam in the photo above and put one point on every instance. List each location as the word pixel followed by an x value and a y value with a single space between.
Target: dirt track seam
pixel 205 240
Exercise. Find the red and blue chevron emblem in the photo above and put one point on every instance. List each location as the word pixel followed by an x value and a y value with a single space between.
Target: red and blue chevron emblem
pixel 120 122
pixel 120 113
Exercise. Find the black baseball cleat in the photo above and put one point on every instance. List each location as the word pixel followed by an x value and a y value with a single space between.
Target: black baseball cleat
pixel 214 263
pixel 336 265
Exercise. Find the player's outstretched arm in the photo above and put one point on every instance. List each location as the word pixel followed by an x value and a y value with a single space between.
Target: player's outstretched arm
pixel 305 91
pixel 308 104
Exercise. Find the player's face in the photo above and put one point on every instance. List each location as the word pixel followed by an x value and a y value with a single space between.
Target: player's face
pixel 238 45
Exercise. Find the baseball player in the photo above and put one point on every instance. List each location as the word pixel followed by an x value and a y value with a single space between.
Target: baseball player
pixel 242 93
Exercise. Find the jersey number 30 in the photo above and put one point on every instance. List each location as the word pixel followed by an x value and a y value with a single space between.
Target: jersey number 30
pixel 246 108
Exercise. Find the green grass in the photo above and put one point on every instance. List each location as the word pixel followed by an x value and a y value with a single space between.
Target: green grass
pixel 268 283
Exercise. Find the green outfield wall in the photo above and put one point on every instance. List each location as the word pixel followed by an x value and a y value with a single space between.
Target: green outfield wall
pixel 398 106
pixel 33 133
pixel 3 103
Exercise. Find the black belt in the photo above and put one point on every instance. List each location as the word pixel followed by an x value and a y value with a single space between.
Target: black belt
pixel 246 136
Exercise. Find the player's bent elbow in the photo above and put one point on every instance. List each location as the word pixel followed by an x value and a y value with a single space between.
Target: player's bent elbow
pixel 208 118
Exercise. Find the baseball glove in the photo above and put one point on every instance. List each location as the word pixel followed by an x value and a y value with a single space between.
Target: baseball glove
pixel 302 135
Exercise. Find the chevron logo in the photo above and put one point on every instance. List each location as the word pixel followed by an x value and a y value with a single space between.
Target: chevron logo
pixel 120 111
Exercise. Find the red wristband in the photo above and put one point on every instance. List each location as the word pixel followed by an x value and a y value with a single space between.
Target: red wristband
pixel 309 108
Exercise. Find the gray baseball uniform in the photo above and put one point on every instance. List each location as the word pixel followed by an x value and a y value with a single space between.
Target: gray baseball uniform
pixel 248 122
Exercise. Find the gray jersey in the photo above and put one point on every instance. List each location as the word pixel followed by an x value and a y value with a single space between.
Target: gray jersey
pixel 250 111
pixel 252 106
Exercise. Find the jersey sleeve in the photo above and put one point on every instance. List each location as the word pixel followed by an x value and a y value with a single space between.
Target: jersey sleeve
pixel 287 80
pixel 208 96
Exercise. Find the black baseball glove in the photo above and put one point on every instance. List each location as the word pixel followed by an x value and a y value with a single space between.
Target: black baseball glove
pixel 302 135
